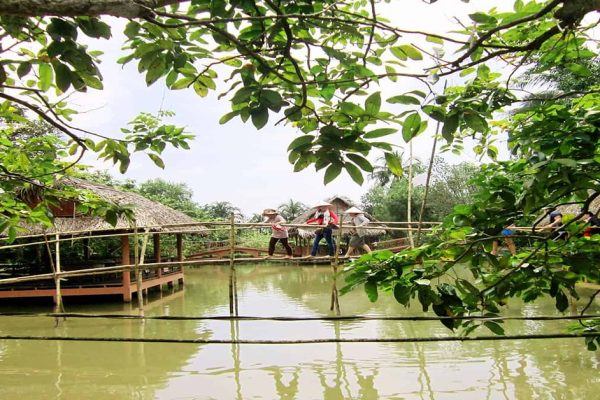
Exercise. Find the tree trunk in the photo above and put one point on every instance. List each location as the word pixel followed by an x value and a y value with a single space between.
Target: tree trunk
pixel 71 8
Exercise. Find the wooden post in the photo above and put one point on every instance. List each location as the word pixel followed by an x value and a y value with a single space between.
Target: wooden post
pixel 410 192
pixel 179 237
pixel 58 298
pixel 138 271
pixel 156 241
pixel 125 261
pixel 335 303
pixel 233 308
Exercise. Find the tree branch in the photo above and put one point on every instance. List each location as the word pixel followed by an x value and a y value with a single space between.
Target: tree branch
pixel 91 8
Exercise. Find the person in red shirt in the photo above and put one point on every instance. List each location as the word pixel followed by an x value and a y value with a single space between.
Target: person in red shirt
pixel 325 218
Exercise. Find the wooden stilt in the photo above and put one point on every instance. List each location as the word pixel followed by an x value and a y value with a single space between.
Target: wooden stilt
pixel 156 241
pixel 126 275
pixel 232 301
pixel 335 303
pixel 58 298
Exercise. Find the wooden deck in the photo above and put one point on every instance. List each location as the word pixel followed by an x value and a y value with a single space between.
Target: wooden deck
pixel 125 286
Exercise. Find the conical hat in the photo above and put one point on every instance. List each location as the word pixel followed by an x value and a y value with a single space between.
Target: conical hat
pixel 353 210
pixel 270 211
pixel 322 204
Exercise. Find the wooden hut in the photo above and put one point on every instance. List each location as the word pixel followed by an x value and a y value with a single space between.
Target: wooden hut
pixel 151 218
pixel 304 236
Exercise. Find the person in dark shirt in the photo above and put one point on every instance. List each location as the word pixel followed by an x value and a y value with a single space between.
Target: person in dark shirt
pixel 555 224
pixel 593 222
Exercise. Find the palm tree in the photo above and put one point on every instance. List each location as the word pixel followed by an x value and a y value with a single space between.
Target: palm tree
pixel 291 209
pixel 222 210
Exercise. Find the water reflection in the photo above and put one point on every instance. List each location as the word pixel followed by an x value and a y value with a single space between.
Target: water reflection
pixel 445 370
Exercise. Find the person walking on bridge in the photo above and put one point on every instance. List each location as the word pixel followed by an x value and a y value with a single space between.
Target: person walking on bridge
pixel 278 232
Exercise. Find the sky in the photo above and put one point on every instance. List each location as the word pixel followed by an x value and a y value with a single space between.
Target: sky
pixel 235 162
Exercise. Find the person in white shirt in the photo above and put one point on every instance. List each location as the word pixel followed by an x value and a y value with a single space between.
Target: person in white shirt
pixel 278 232
pixel 357 240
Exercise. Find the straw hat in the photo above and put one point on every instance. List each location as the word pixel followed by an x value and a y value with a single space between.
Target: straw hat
pixel 353 210
pixel 322 204
pixel 270 211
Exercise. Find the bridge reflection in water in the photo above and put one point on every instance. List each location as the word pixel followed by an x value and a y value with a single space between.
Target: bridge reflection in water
pixel 448 370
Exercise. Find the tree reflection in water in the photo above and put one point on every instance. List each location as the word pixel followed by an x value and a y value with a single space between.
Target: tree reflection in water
pixel 474 370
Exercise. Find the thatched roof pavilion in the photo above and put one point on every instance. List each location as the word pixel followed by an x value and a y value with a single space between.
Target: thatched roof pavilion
pixel 148 214
pixel 339 205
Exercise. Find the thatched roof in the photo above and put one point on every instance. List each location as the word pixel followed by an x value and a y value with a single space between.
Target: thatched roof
pixel 575 209
pixel 148 213
pixel 339 205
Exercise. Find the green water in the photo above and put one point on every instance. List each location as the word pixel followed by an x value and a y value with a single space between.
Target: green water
pixel 533 369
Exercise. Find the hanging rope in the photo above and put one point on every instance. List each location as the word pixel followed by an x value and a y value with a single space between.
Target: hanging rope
pixel 309 341
pixel 299 319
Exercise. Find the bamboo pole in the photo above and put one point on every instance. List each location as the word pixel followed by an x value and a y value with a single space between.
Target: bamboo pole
pixel 138 271
pixel 232 301
pixel 410 191
pixel 335 303
pixel 58 300
pixel 427 180
pixel 138 263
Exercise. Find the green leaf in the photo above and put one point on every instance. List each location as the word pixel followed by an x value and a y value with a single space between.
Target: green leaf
pixel 63 76
pixel 402 294
pixel 434 39
pixel 403 99
pixel 435 112
pixel 379 133
pixel 494 327
pixel 411 126
pixel 405 51
pixel 579 69
pixel 482 18
pixel 354 173
pixel 260 117
pixel 567 162
pixel 332 172
pixel 46 76
pixel 371 290
pixel 227 117
pixel 157 160
pixel 562 302
pixel 394 164
pixel 450 126
pixel 361 162
pixel 23 69
pixel 476 122
pixel 94 28
pixel 351 109
pixel 301 141
pixel 271 99
pixel 111 217
pixel 373 104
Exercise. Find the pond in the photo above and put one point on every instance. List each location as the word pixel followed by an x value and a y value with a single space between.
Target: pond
pixel 506 369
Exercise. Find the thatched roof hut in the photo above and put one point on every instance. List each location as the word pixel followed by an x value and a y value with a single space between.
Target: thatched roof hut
pixel 148 214
pixel 339 205
pixel 575 209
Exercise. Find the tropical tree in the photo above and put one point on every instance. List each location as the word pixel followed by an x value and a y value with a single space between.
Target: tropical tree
pixel 175 195
pixel 310 60
pixel 222 210
pixel 450 186
pixel 291 209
